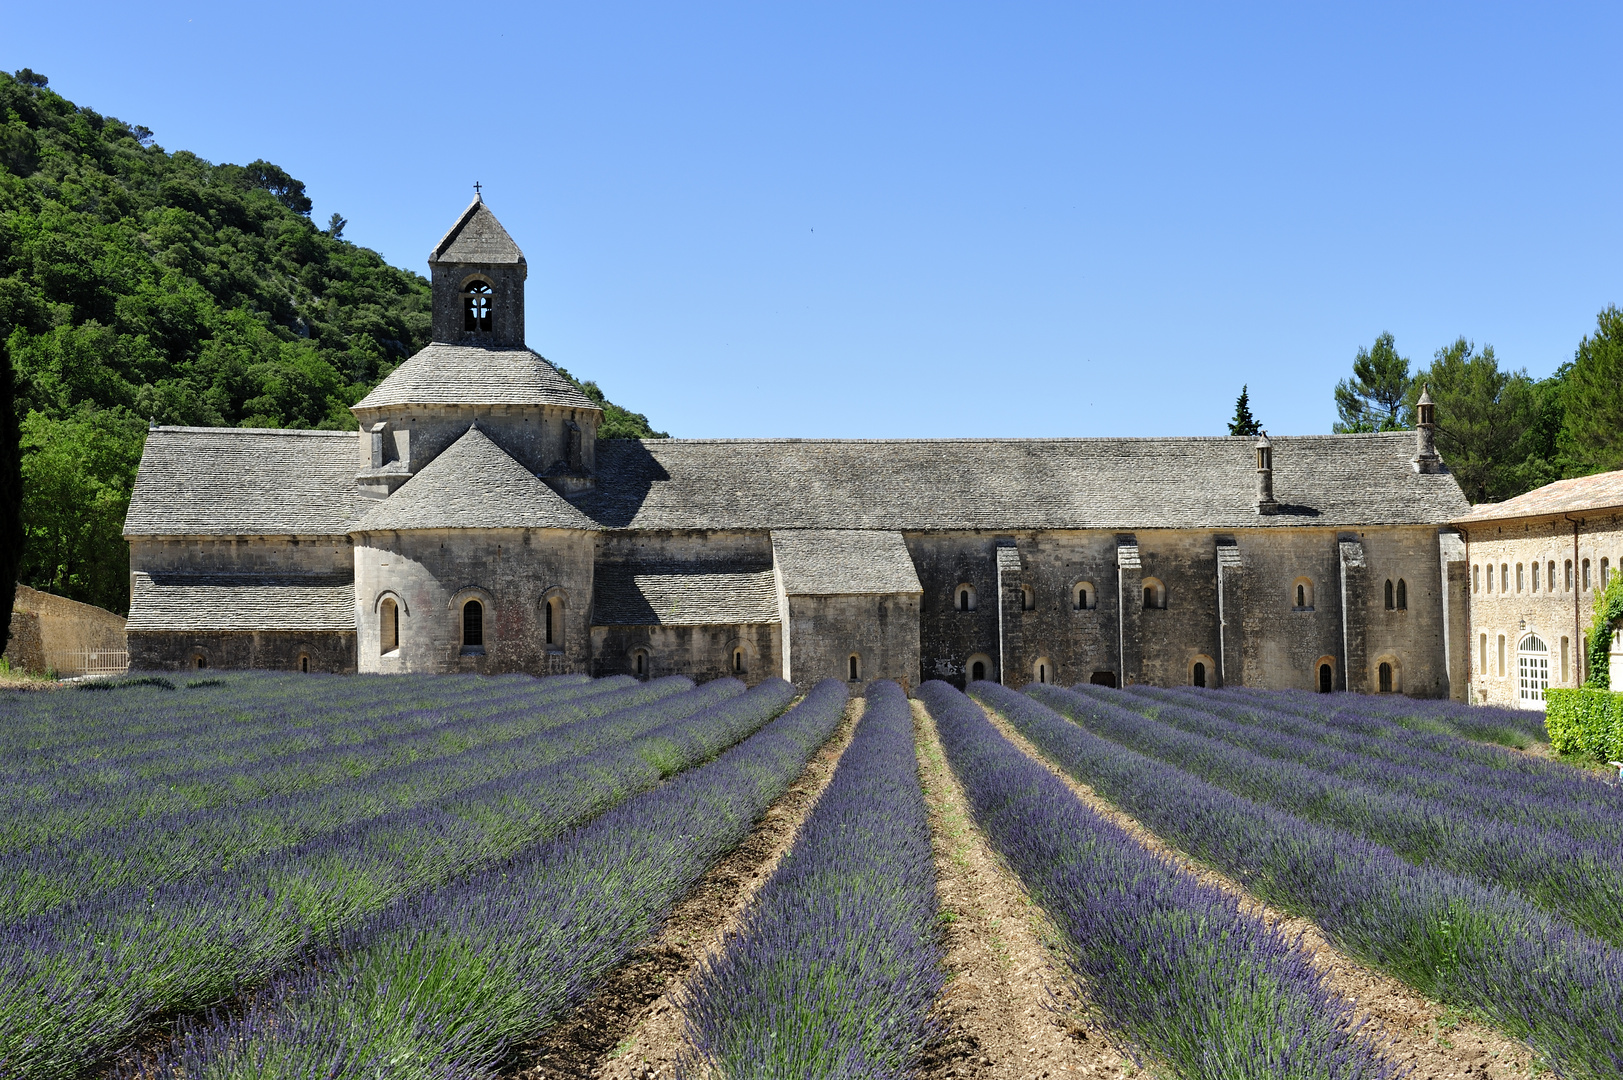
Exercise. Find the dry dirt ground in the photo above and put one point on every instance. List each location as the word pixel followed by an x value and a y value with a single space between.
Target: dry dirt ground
pixel 631 1028
pixel 1433 1041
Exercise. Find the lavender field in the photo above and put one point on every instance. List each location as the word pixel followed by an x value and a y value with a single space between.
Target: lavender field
pixel 257 875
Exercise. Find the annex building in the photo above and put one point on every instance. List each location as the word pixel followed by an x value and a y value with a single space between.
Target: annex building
pixel 477 523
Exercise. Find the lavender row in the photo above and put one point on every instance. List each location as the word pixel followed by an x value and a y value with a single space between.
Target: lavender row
pixel 1451 937
pixel 1576 878
pixel 295 727
pixel 80 981
pixel 1578 807
pixel 1519 728
pixel 224 786
pixel 1174 966
pixel 1473 762
pixel 448 981
pixel 836 966
pixel 201 842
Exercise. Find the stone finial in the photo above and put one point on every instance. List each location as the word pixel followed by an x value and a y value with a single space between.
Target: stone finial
pixel 1425 456
pixel 1265 475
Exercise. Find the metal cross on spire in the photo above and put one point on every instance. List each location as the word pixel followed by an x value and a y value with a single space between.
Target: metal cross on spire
pixel 476 187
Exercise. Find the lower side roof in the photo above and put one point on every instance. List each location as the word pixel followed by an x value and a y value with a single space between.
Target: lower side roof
pixel 215 602
pixel 678 594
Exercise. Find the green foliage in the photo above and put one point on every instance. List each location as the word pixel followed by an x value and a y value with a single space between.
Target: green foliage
pixel 1486 419
pixel 1608 614
pixel 1585 721
pixel 1373 399
pixel 139 284
pixel 1244 423
pixel 617 423
pixel 1592 426
pixel 11 498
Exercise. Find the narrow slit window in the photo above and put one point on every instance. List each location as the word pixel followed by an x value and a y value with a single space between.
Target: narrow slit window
pixel 1586 575
pixel 1566 662
pixel 1403 595
pixel 1483 666
pixel 1535 577
pixel 853 668
pixel 389 626
pixel 304 664
pixel 1301 596
pixel 1391 596
pixel 1476 578
pixel 738 661
pixel 1521 578
pixel 1569 575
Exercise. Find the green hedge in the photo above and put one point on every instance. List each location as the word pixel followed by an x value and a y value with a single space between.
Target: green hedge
pixel 1585 721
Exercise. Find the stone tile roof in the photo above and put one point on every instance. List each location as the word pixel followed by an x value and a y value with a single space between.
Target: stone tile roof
pixel 842 562
pixel 1323 480
pixel 244 482
pixel 473 484
pixel 683 594
pixel 477 237
pixel 1604 491
pixel 199 602
pixel 444 374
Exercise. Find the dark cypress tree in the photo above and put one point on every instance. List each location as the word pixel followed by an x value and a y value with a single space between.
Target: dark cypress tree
pixel 11 494
pixel 1244 423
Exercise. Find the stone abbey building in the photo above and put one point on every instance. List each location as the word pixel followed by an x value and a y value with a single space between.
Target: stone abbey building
pixel 476 523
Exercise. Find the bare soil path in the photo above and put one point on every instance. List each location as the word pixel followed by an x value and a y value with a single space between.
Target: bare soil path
pixel 1433 1040
pixel 1007 1010
pixel 631 1029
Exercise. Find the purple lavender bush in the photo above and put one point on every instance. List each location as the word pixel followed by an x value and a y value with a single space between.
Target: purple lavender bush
pixel 1577 878
pixel 80 980
pixel 444 983
pixel 1452 938
pixel 1173 966
pixel 836 966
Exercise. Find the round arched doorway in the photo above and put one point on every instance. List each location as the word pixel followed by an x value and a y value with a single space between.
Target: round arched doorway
pixel 1532 671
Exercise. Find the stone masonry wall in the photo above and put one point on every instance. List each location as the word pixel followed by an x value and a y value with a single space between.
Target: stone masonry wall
pixel 432 573
pixel 701 653
pixel 1505 605
pixel 535 436
pixel 881 630
pixel 265 650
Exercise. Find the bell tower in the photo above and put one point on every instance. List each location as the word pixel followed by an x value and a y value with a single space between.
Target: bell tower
pixel 477 274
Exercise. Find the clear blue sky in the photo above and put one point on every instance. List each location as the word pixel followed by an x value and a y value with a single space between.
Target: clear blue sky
pixel 887 220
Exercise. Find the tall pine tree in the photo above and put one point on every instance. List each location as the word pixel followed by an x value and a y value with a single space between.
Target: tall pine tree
pixel 1244 423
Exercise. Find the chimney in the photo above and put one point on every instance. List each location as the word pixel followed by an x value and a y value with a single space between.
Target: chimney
pixel 1265 476
pixel 1425 452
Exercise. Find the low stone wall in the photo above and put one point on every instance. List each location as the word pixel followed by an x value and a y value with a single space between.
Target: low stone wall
pixel 47 631
pixel 266 650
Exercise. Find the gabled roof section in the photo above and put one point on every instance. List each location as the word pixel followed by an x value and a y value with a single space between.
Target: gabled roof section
pixel 473 484
pixel 244 482
pixel 443 374
pixel 1333 481
pixel 477 237
pixel 1603 491
pixel 683 594
pixel 843 562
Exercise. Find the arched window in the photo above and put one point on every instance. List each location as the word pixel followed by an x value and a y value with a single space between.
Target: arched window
pixel 1476 578
pixel 199 662
pixel 1391 596
pixel 1385 675
pixel 1028 598
pixel 476 305
pixel 1605 572
pixel 738 661
pixel 1586 575
pixel 965 598
pixel 1566 659
pixel 1504 577
pixel 1521 578
pixel 473 625
pixel 639 663
pixel 304 663
pixel 854 667
pixel 1535 576
pixel 1301 596
pixel 1043 670
pixel 1532 671
pixel 1501 664
pixel 1083 596
pixel 1198 676
pixel 1302 593
pixel 1155 594
pixel 1403 595
pixel 1549 581
pixel 1483 668
pixel 1327 678
pixel 978 667
pixel 388 626
pixel 552 617
pixel 1569 575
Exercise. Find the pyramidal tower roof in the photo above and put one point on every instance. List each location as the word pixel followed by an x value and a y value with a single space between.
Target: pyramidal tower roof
pixel 477 237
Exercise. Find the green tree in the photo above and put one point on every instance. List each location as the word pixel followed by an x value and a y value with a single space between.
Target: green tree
pixel 1373 399
pixel 1483 418
pixel 11 497
pixel 1244 423
pixel 1591 434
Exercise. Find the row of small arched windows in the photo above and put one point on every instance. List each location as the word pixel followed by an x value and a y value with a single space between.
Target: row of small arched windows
pixel 1524 579
pixel 1084 597
pixel 473 624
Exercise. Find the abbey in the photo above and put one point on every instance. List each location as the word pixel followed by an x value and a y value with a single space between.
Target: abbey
pixel 476 523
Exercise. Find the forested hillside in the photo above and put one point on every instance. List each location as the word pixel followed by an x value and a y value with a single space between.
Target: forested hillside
pixel 142 284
